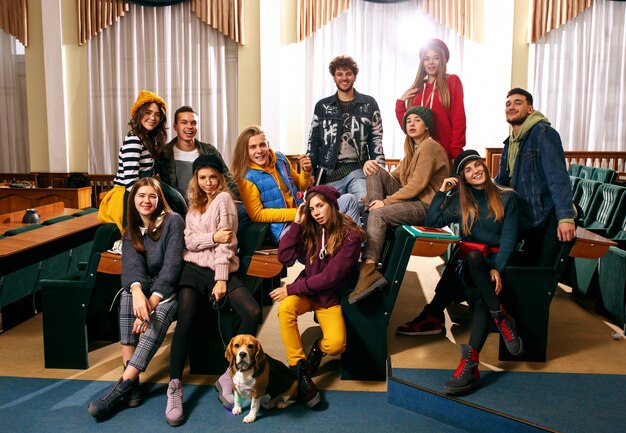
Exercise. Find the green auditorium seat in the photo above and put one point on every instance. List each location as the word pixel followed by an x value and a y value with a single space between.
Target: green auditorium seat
pixel 612 281
pixel 528 292
pixel 581 274
pixel 584 193
pixel 574 170
pixel 365 357
pixel 586 172
pixel 605 175
pixel 70 304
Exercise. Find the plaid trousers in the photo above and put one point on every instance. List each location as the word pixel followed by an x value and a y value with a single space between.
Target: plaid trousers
pixel 149 342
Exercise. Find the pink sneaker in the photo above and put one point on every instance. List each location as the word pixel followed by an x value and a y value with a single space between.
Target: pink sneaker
pixel 174 409
pixel 224 387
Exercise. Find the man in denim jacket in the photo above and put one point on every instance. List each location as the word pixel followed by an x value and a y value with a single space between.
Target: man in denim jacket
pixel 346 138
pixel 533 164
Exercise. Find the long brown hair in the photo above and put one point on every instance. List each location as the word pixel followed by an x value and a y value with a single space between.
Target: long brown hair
pixel 469 207
pixel 153 140
pixel 134 219
pixel 338 225
pixel 240 159
pixel 198 199
pixel 440 80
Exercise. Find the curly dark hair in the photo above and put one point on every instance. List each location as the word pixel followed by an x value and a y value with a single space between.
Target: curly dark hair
pixel 343 62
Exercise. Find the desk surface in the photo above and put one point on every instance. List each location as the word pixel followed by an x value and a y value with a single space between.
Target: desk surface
pixel 43 235
pixel 589 245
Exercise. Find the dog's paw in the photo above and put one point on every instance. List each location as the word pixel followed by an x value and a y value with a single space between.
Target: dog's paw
pixel 236 410
pixel 249 418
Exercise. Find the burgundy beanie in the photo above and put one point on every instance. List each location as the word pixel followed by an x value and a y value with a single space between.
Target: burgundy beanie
pixel 329 192
pixel 437 43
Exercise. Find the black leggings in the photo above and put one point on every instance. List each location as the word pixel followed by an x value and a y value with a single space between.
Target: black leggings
pixel 477 274
pixel 240 299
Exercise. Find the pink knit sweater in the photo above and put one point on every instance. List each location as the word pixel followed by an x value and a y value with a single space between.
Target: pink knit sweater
pixel 200 248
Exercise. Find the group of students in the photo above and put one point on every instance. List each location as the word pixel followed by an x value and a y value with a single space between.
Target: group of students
pixel 322 215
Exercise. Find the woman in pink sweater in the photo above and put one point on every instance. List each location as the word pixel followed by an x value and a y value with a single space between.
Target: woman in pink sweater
pixel 209 269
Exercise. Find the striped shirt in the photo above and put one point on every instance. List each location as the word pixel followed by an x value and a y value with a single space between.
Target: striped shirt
pixel 133 159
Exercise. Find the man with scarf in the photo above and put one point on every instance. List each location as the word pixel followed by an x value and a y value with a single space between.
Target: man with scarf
pixel 533 164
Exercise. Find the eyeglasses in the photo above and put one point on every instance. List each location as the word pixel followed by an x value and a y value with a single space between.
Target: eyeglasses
pixel 157 115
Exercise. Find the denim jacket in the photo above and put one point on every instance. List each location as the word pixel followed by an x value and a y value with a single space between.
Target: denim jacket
pixel 540 177
pixel 366 130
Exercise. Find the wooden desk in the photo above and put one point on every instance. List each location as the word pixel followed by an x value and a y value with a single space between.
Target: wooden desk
pixel 264 266
pixel 428 246
pixel 33 246
pixel 15 199
pixel 589 245
pixel 110 263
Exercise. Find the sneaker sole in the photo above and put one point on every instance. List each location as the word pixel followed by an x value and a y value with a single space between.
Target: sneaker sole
pixel 461 390
pixel 356 298
pixel 418 333
pixel 227 404
pixel 314 401
pixel 175 422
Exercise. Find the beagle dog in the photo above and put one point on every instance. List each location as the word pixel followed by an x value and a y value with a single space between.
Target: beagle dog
pixel 258 377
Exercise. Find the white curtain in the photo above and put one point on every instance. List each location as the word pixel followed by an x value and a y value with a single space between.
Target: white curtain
pixel 580 78
pixel 384 40
pixel 169 51
pixel 13 115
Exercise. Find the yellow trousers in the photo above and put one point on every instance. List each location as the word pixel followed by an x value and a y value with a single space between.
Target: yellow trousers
pixel 333 340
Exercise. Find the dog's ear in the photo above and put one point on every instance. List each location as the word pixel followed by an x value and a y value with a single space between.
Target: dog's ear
pixel 228 354
pixel 259 358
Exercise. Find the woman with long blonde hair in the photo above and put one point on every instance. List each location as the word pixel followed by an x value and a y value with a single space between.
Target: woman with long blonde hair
pixel 440 92
pixel 488 218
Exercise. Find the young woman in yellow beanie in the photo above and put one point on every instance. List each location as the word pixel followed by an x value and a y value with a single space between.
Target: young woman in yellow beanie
pixel 136 158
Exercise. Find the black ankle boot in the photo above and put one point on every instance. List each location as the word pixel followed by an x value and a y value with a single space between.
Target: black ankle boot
pixel 506 326
pixel 135 398
pixel 466 377
pixel 307 391
pixel 102 406
pixel 315 358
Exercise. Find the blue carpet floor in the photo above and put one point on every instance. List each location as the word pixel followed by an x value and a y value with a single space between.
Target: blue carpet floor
pixel 50 406
pixel 565 402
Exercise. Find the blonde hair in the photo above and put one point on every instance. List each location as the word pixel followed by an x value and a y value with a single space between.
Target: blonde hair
pixel 440 80
pixel 241 157
pixel 198 198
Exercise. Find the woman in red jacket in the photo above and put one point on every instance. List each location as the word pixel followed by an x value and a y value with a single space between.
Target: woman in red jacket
pixel 442 93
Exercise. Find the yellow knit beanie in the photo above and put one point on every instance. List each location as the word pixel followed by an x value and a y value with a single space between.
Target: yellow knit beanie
pixel 145 97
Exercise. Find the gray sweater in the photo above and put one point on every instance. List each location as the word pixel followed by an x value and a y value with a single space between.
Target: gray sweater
pixel 158 270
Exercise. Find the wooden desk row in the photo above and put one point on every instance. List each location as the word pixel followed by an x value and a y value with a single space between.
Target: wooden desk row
pixel 16 199
pixel 35 245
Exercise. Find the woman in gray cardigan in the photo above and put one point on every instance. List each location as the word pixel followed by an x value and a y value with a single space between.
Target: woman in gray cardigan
pixel 152 259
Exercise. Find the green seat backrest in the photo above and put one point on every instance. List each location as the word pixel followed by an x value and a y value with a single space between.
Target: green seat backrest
pixel 24 229
pixel 574 169
pixel 57 220
pixel 583 196
pixel 105 237
pixel 18 284
pixel 605 175
pixel 574 182
pixel 586 172
pixel 602 209
pixel 617 226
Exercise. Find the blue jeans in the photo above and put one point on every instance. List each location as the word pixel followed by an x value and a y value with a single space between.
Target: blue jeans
pixel 353 184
